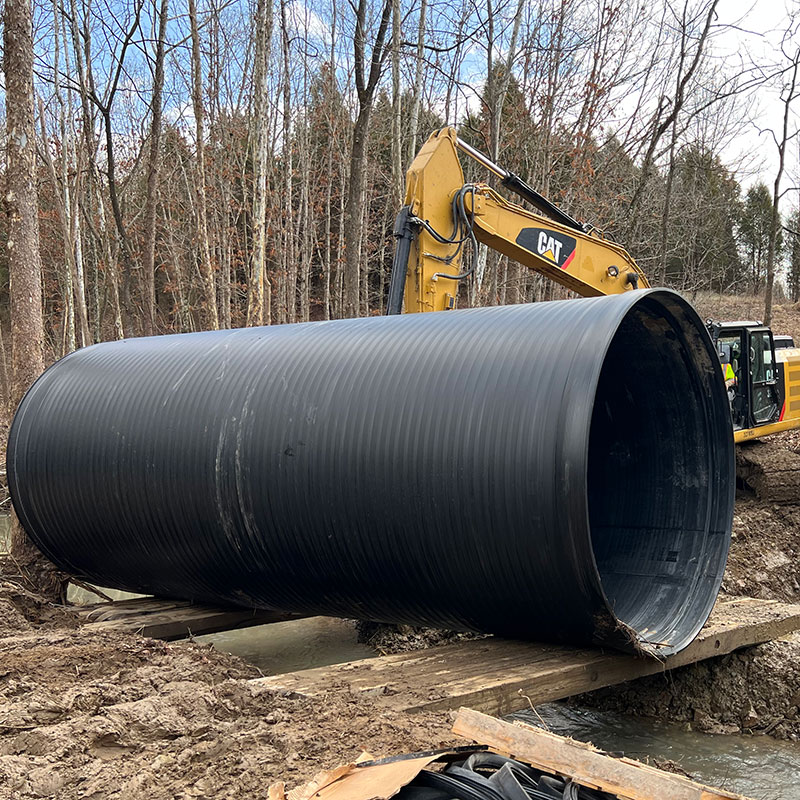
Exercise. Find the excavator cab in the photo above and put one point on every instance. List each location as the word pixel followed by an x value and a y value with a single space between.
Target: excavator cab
pixel 753 376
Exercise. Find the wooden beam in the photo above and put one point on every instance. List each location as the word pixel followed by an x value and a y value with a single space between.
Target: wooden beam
pixel 583 763
pixel 173 619
pixel 499 676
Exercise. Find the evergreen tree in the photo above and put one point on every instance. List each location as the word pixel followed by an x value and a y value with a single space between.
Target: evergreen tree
pixel 753 226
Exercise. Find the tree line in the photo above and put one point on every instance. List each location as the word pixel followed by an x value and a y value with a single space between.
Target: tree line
pixel 240 162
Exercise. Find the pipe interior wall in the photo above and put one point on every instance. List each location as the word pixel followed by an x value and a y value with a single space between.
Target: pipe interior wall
pixel 558 471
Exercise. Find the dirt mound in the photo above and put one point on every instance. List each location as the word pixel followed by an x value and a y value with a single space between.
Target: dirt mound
pixel 103 715
pixel 21 609
pixel 86 714
pixel 770 470
pixel 388 639
pixel 765 551
pixel 755 690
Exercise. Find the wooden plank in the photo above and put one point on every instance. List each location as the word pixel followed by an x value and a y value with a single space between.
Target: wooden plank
pixel 499 676
pixel 120 609
pixel 173 619
pixel 583 763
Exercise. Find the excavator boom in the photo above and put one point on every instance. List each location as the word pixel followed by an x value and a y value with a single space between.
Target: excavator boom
pixel 442 213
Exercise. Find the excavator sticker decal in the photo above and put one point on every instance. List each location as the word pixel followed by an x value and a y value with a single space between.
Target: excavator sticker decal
pixel 555 247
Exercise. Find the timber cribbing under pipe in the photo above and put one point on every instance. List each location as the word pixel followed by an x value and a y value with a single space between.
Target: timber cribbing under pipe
pixel 558 471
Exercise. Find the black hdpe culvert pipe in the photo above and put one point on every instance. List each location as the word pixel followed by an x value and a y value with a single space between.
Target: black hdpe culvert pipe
pixel 559 470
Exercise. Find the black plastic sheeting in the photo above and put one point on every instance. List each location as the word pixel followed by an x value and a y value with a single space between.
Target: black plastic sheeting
pixel 558 471
pixel 488 776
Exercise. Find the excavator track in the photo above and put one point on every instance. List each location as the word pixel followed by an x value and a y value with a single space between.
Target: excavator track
pixel 770 470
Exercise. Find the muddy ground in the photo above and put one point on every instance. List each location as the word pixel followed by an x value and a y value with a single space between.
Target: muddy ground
pixel 88 715
pixel 756 690
pixel 765 551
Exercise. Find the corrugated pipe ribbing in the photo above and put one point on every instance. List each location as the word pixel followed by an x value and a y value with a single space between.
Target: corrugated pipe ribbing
pixel 558 471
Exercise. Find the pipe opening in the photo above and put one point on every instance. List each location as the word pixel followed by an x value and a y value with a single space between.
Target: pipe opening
pixel 658 483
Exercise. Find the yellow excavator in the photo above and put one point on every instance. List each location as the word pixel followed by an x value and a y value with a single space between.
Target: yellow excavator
pixel 442 213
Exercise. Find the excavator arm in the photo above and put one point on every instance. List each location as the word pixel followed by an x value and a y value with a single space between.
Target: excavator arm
pixel 442 214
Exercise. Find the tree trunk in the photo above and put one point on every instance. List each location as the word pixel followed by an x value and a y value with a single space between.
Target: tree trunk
pixel 288 222
pixel 328 262
pixel 70 218
pixel 111 170
pixel 82 51
pixel 258 290
pixel 776 195
pixel 396 194
pixel 65 275
pixel 366 84
pixel 153 164
pixel 501 89
pixel 206 268
pixel 25 271
pixel 660 278
pixel 415 107
pixel 354 208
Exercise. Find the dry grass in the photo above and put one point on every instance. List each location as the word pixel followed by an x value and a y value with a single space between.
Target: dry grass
pixel 722 307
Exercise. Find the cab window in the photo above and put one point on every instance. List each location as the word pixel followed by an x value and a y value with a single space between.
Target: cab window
pixel 764 397
pixel 761 366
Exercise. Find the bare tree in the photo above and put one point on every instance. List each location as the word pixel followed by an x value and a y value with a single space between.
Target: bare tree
pixel 497 92
pixel 27 326
pixel 153 164
pixel 788 95
pixel 105 106
pixel 61 160
pixel 271 199
pixel 418 77
pixel 25 270
pixel 82 52
pixel 259 296
pixel 691 48
pixel 288 259
pixel 397 109
pixel 366 79
pixel 206 268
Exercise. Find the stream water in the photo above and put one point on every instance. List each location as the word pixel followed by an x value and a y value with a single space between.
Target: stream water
pixel 275 648
pixel 757 766
pixel 289 646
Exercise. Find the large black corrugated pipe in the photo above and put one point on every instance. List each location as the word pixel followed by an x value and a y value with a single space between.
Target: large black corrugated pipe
pixel 559 470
